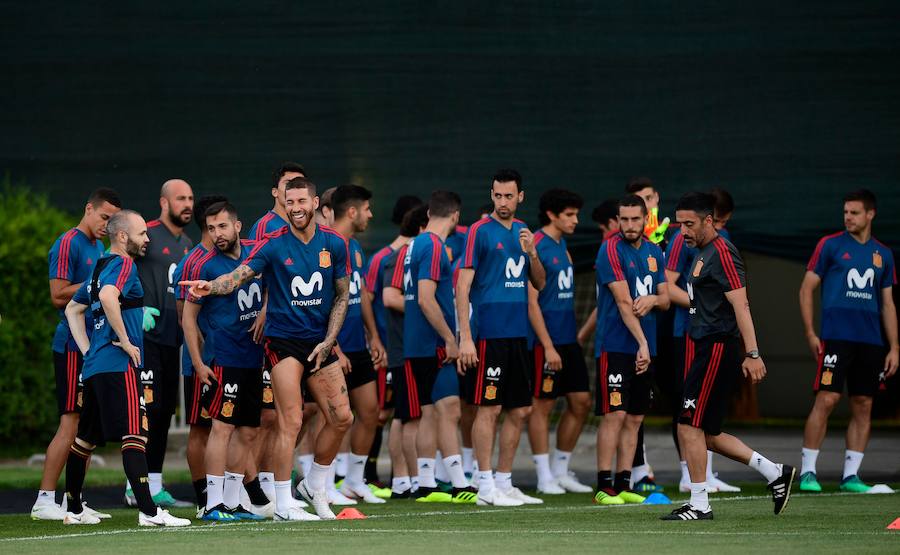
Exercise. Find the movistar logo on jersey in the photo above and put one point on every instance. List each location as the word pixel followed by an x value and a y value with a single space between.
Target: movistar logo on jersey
pixel 830 361
pixel 147 376
pixel 302 288
pixel 514 270
pixel 355 288
pixel 615 379
pixel 643 287
pixel 855 280
pixel 493 373
pixel 246 300
pixel 230 388
pixel 565 281
pixel 172 267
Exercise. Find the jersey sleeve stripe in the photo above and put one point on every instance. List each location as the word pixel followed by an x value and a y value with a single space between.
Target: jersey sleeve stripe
pixel 470 242
pixel 374 267
pixel 153 223
pixel 65 247
pixel 261 226
pixel 124 273
pixel 612 252
pixel 814 259
pixel 731 272
pixel 263 242
pixel 435 258
pixel 397 278
pixel 538 237
pixel 675 253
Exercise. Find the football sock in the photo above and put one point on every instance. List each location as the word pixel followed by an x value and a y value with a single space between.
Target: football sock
pixel 764 466
pixel 155 482
pixel 356 468
pixel 135 462
pixel 426 472
pixel 639 453
pixel 232 490
pixel 200 491
pixel 454 467
pixel 622 481
pixel 267 483
pixel 283 498
pixel 340 464
pixel 45 497
pixel 808 460
pixel 371 470
pixel 560 463
pixel 255 492
pixel 709 470
pixel 503 480
pixel 542 466
pixel 215 491
pixel 638 473
pixel 604 480
pixel 318 474
pixel 401 484
pixel 485 481
pixel 440 471
pixel 468 456
pixel 76 467
pixel 699 496
pixel 852 460
pixel 305 463
pixel 685 473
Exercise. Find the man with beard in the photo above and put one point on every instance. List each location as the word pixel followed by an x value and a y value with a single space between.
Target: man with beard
pixel 307 268
pixel 159 377
pixel 113 408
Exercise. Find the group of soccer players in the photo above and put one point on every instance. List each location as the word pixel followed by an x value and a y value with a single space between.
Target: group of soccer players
pixel 293 339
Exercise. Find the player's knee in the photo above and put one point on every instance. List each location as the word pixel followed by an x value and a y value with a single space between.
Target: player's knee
pixel 248 434
pixel 520 414
pixel 860 403
pixel 341 418
pixel 289 420
pixel 826 400
pixel 267 419
pixel 489 414
pixel 579 405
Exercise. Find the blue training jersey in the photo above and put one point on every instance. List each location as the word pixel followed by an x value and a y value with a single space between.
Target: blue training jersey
pixel 72 258
pixel 500 282
pixel 300 279
pixel 642 270
pixel 228 317
pixel 186 269
pixel 374 277
pixel 853 275
pixel 268 223
pixel 426 259
pixel 557 298
pixel 104 357
pixel 455 243
pixel 352 337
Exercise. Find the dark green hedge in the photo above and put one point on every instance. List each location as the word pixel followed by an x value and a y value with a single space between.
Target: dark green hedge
pixel 28 227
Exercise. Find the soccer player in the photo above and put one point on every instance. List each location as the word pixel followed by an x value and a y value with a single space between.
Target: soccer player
pixel 307 269
pixel 276 218
pixel 631 288
pixel 324 213
pixel 402 443
pixel 857 275
pixel 720 321
pixel 606 216
pixel 197 416
pixel 113 408
pixel 655 230
pixel 352 212
pixel 234 399
pixel 679 259
pixel 71 260
pixel 429 380
pixel 499 258
pixel 559 368
pixel 159 378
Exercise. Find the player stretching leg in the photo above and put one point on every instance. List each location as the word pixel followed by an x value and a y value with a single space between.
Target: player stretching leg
pixel 719 319
pixel 306 267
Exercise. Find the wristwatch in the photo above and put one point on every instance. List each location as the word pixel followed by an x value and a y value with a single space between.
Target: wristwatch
pixel 752 354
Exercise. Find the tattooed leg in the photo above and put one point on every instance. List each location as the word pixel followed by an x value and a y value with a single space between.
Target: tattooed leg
pixel 330 392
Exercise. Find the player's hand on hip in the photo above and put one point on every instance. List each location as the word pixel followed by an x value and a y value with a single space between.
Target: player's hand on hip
pixel 451 352
pixel 815 345
pixel 467 355
pixel 891 361
pixel 642 360
pixel 552 360
pixel 526 240
pixel 196 287
pixel 319 354
pixel 133 352
pixel 205 374
pixel 344 362
pixel 754 368
pixel 643 305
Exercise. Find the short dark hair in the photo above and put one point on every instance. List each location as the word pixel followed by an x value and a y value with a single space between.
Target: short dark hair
pixel 605 211
pixel 505 176
pixel 301 183
pixel 864 196
pixel 202 205
pixel 325 198
pixel 556 201
pixel 704 204
pixel 443 203
pixel 403 205
pixel 636 184
pixel 414 220
pixel 633 200
pixel 218 208
pixel 347 196
pixel 724 201
pixel 286 167
pixel 104 194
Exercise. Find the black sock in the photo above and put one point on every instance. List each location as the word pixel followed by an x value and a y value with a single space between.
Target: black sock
pixel 134 460
pixel 157 440
pixel 76 468
pixel 255 493
pixel 200 491
pixel 371 472
pixel 639 448
pixel 604 480
pixel 622 481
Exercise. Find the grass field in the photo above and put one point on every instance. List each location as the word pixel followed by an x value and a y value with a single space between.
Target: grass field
pixel 829 522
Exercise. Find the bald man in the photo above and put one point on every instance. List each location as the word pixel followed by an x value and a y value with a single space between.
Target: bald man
pixel 162 335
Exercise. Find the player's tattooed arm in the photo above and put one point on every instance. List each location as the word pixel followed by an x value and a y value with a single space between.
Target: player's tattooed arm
pixel 226 283
pixel 338 309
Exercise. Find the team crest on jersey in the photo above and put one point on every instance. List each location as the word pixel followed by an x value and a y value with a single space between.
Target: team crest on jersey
pixel 490 392
pixel 359 259
pixel 227 409
pixel 268 397
pixel 204 414
pixel 547 386
pixel 876 259
pixel 615 399
pixel 651 263
pixel 324 259
pixel 697 267
pixel 827 377
pixel 148 395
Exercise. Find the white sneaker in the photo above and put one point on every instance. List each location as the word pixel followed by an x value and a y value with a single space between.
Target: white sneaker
pixel 359 491
pixel 162 518
pixel 47 511
pixel 318 500
pixel 569 482
pixel 516 493
pixel 550 488
pixel 473 482
pixel 337 498
pixel 294 514
pixel 265 511
pixel 498 499
pixel 299 503
pixel 90 511
pixel 83 518
pixel 719 485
